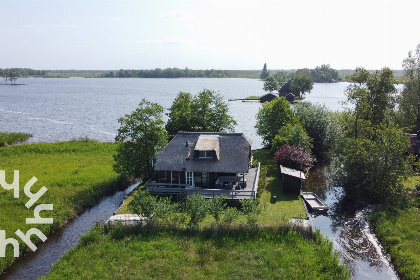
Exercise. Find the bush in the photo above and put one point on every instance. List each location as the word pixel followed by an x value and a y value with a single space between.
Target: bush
pixel 293 156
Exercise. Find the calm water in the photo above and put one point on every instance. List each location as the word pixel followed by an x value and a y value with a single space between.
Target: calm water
pixel 64 109
pixel 347 227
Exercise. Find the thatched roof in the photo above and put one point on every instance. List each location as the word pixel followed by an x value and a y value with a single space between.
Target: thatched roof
pixel 268 97
pixel 233 151
pixel 285 89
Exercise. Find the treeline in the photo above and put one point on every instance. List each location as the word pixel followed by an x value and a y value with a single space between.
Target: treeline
pixel 181 73
pixel 22 72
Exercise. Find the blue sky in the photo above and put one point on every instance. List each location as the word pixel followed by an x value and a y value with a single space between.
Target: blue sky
pixel 206 34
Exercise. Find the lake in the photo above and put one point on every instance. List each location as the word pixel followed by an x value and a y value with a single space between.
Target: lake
pixel 64 109
pixel 70 108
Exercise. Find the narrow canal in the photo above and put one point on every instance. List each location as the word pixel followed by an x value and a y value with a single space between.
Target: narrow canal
pixel 39 263
pixel 347 226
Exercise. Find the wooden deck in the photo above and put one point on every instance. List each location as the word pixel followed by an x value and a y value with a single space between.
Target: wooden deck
pixel 249 192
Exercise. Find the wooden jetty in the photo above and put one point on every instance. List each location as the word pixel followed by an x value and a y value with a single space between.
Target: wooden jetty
pixel 314 202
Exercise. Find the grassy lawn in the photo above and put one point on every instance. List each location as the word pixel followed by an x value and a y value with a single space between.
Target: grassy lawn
pixel 162 253
pixel 76 175
pixel 397 225
pixel 253 97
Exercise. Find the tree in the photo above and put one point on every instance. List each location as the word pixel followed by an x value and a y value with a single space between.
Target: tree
pixel 180 115
pixel 374 100
pixel 196 208
pixel 264 74
pixel 409 100
pixel 252 210
pixel 217 206
pixel 205 112
pixel 294 156
pixel 374 168
pixel 292 134
pixel 321 126
pixel 301 83
pixel 270 84
pixel 359 76
pixel 271 117
pixel 324 74
pixel 142 136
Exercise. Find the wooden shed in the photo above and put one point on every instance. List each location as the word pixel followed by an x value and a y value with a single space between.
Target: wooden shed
pixel 292 179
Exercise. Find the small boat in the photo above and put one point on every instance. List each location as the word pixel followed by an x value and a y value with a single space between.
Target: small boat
pixel 314 202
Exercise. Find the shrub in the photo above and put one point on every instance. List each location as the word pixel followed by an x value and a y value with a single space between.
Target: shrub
pixel 293 156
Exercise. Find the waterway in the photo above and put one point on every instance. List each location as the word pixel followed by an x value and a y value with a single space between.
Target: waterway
pixel 38 263
pixel 347 226
pixel 64 109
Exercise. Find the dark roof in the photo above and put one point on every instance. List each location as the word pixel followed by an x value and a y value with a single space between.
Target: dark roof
pixel 285 89
pixel 232 152
pixel 267 97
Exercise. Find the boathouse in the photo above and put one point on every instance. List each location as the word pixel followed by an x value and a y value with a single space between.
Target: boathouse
pixel 291 179
pixel 268 97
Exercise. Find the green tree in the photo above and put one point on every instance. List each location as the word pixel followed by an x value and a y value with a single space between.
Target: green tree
pixel 264 74
pixel 217 206
pixel 205 112
pixel 180 115
pixel 252 210
pixel 374 169
pixel 409 100
pixel 271 117
pixel 270 84
pixel 292 134
pixel 324 74
pixel 142 136
pixel 322 126
pixel 144 204
pixel 372 102
pixel 301 83
pixel 359 76
pixel 195 208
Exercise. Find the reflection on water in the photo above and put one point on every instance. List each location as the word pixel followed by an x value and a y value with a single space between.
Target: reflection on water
pixel 348 229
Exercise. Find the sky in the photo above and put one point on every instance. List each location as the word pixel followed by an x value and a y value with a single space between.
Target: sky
pixel 206 34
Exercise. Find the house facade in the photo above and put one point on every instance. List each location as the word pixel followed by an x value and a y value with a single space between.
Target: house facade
pixel 197 160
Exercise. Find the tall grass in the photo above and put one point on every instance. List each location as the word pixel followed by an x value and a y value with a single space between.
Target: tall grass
pixel 397 225
pixel 165 253
pixel 76 174
pixel 12 138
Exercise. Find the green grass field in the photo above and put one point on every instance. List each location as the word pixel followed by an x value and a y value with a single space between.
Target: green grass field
pixel 76 174
pixel 163 253
pixel 397 225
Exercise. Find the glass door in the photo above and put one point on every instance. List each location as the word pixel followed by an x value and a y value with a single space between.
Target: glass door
pixel 189 178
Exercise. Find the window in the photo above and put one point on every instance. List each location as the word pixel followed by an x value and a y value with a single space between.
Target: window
pixel 205 154
pixel 189 178
pixel 204 179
